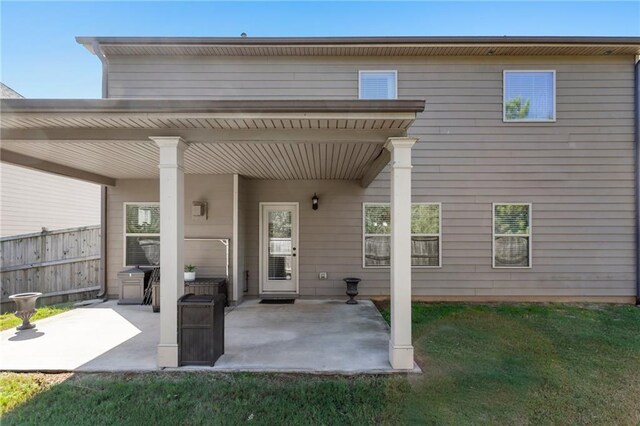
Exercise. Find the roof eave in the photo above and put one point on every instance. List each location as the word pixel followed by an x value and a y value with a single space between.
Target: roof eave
pixel 310 41
pixel 208 106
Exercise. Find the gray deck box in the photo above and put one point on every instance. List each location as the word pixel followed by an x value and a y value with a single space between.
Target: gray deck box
pixel 132 285
pixel 200 329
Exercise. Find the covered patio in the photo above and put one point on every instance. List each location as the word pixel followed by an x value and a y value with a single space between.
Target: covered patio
pixel 312 336
pixel 104 141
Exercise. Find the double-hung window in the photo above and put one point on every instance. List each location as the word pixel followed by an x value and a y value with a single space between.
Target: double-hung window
pixel 378 84
pixel 142 234
pixel 426 235
pixel 529 96
pixel 511 235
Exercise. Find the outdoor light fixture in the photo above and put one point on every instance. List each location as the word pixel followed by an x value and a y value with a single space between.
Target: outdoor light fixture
pixel 200 209
pixel 314 201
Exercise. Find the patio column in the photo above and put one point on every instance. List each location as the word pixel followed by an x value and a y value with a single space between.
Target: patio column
pixel 171 244
pixel 400 345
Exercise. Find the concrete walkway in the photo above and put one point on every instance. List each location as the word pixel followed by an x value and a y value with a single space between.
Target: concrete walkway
pixel 315 336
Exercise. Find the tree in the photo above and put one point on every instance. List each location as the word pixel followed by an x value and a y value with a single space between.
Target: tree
pixel 516 110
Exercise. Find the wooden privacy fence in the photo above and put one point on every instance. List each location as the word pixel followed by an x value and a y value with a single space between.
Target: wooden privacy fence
pixel 57 263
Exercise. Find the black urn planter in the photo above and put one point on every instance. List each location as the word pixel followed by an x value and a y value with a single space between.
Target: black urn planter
pixel 352 290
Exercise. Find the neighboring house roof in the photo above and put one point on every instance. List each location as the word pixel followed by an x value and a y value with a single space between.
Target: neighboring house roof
pixel 8 92
pixel 362 46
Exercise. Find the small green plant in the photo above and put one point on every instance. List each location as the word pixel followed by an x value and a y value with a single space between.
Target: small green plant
pixel 190 268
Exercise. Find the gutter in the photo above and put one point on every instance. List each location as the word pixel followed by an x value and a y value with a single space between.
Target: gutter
pixel 204 106
pixel 394 40
pixel 95 44
pixel 637 171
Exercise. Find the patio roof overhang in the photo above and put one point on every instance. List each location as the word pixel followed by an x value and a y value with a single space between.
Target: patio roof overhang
pixel 107 139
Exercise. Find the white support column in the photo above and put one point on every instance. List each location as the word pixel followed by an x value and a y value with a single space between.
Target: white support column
pixel 171 244
pixel 235 243
pixel 400 345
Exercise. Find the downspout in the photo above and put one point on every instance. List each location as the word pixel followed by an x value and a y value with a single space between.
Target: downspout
pixel 102 294
pixel 636 144
pixel 105 68
pixel 103 243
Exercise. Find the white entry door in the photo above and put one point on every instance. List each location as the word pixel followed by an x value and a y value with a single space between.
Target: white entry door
pixel 279 248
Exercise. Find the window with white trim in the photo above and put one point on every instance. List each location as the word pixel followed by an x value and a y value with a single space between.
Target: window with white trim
pixel 426 235
pixel 529 96
pixel 378 84
pixel 141 234
pixel 511 235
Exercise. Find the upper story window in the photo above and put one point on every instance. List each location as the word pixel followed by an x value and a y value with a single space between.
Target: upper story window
pixel 378 84
pixel 529 96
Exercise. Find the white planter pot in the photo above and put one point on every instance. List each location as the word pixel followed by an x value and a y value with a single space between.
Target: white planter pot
pixel 190 276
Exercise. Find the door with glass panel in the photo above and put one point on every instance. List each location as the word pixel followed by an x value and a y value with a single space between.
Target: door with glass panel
pixel 279 248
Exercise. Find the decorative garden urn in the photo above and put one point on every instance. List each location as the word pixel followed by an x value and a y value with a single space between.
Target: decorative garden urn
pixel 352 290
pixel 25 308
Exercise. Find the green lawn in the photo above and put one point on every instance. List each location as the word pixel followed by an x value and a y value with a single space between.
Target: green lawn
pixel 487 364
pixel 9 320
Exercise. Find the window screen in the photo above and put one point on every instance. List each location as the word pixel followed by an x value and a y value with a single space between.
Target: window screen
pixel 142 234
pixel 425 235
pixel 378 85
pixel 529 96
pixel 512 235
pixel 377 235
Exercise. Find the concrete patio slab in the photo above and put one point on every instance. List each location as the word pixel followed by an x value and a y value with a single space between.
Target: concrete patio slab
pixel 309 336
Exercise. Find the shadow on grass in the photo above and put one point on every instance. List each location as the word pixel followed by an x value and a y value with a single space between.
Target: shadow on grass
pixel 201 398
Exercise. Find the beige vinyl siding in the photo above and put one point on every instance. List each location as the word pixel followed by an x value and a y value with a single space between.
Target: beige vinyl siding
pixel 578 172
pixel 207 256
pixel 31 200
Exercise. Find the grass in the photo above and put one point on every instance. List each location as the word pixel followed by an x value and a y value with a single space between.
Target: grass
pixel 489 364
pixel 9 320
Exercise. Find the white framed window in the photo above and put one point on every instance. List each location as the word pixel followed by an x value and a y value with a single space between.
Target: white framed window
pixel 512 235
pixel 529 96
pixel 378 84
pixel 426 235
pixel 141 234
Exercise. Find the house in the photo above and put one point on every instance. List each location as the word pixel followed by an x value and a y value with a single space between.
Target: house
pixel 31 200
pixel 433 168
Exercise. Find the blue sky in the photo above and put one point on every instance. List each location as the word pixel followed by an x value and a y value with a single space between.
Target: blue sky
pixel 40 58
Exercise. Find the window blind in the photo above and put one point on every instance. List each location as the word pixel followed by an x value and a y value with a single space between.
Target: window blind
pixel 529 95
pixel 512 235
pixel 377 85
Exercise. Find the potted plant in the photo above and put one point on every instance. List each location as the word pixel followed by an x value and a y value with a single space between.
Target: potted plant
pixel 190 273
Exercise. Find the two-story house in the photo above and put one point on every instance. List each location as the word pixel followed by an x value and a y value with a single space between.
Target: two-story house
pixel 433 168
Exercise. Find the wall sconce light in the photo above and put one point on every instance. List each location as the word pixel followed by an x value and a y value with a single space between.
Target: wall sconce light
pixel 314 201
pixel 199 209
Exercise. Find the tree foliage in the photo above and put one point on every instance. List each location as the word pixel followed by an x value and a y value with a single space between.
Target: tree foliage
pixel 516 110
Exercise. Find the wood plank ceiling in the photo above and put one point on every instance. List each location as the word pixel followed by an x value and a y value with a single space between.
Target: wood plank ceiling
pixel 271 145
pixel 131 160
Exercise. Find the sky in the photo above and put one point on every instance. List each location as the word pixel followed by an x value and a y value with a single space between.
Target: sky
pixel 40 58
